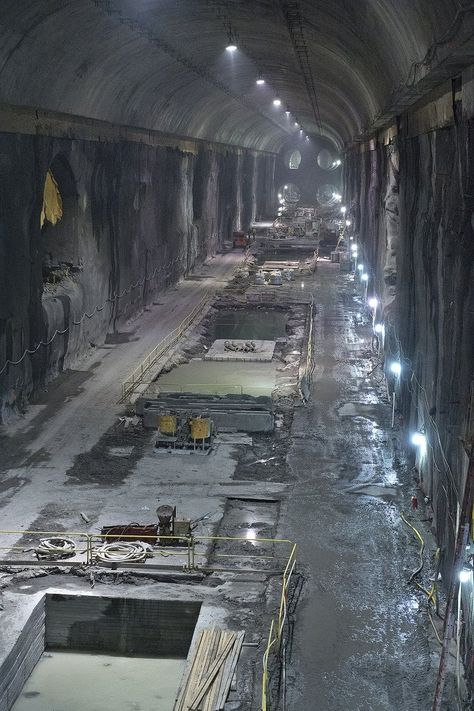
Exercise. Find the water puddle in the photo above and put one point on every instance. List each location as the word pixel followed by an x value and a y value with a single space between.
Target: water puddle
pixel 264 325
pixel 74 681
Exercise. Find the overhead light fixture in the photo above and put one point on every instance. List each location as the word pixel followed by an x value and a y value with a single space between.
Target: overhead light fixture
pixel 260 80
pixel 231 48
pixel 365 277
pixel 287 112
pixel 285 187
pixel 418 439
pixel 354 247
pixel 348 223
pixel 373 302
pixel 276 102
pixel 296 124
pixel 343 210
pixel 396 367
pixel 378 328
pixel 360 267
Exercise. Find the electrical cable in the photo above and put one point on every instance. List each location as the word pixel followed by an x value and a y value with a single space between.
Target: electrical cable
pixel 96 309
pixel 122 552
pixel 431 594
pixel 55 548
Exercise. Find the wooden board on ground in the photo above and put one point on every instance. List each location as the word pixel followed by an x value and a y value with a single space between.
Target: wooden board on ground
pixel 210 670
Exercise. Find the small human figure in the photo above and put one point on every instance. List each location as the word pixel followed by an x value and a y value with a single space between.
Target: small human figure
pixel 414 503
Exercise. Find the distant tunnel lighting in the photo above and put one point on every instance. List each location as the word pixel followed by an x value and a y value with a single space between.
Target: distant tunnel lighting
pixel 355 253
pixel 418 439
pixel 354 247
pixel 360 267
pixel 302 284
pixel 280 196
pixel 231 48
pixel 301 130
pixel 276 102
pixel 464 575
pixel 336 197
pixel 396 367
pixel 296 124
pixel 373 302
pixel 287 112
pixel 286 187
pixel 378 328
pixel 365 277
pixel 348 223
pixel 343 209
pixel 260 81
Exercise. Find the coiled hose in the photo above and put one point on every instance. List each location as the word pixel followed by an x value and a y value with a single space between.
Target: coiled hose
pixel 122 552
pixel 55 548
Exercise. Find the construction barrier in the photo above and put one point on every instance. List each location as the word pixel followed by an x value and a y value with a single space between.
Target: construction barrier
pixel 134 379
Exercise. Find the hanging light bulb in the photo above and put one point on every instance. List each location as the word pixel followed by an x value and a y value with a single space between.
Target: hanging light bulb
pixel 276 102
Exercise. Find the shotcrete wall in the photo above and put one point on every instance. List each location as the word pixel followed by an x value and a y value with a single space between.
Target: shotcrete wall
pixel 136 218
pixel 410 193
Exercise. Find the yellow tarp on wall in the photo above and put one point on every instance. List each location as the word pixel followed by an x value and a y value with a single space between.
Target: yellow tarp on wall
pixel 52 209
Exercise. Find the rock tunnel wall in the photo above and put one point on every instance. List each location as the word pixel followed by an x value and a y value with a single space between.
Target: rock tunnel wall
pixel 411 197
pixel 136 218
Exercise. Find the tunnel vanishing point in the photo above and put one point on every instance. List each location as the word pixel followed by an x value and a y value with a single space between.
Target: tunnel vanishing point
pixel 139 139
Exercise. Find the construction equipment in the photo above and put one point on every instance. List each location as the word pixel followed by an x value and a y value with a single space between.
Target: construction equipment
pixel 184 432
pixel 240 240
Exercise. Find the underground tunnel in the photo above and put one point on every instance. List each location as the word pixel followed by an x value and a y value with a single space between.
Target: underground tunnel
pixel 236 355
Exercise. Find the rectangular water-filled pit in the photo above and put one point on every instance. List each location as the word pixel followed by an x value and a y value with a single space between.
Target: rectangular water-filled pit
pixel 84 651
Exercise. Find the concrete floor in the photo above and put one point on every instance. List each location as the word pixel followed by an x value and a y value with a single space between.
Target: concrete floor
pixel 360 638
pixel 239 378
pixel 361 635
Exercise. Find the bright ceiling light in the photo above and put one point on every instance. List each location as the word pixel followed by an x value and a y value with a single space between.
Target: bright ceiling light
pixel 378 328
pixel 373 302
pixel 354 247
pixel 348 223
pixel 296 124
pixel 260 81
pixel 418 439
pixel 396 367
pixel 276 102
pixel 231 48
pixel 285 187
pixel 343 210
pixel 360 267
pixel 287 112
pixel 365 277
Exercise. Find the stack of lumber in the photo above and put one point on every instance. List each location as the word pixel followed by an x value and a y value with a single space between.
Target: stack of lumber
pixel 210 671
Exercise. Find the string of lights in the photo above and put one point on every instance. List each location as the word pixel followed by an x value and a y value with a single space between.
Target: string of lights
pixel 97 309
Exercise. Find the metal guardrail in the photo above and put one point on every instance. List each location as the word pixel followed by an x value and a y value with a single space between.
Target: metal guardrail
pixel 191 549
pixel 277 628
pixel 136 377
pixel 189 552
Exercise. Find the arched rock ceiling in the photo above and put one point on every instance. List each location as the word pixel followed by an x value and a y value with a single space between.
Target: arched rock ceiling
pixel 162 64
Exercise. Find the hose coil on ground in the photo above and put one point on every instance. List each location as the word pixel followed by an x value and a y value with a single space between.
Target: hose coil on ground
pixel 122 552
pixel 55 548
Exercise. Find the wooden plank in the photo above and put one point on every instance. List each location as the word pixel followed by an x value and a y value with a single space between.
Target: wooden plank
pixel 211 674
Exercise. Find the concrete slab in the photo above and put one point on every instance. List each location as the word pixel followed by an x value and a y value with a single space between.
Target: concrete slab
pixel 263 351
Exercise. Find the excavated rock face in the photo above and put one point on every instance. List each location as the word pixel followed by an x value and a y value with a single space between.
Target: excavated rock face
pixel 413 204
pixel 135 219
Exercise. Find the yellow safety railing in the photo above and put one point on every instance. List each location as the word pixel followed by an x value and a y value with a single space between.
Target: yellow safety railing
pixel 85 555
pixel 277 626
pixel 135 378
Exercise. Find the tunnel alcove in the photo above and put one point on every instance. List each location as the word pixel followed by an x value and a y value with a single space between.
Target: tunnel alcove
pixel 60 240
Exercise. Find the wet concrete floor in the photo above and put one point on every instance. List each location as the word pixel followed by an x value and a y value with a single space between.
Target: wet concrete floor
pixel 360 639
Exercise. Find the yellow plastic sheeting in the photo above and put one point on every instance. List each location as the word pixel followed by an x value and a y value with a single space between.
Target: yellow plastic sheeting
pixel 52 209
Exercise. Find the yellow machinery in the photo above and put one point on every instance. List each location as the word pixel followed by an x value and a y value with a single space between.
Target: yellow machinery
pixel 168 424
pixel 184 432
pixel 200 427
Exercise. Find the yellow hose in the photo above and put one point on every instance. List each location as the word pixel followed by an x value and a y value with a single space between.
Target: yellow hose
pixel 431 594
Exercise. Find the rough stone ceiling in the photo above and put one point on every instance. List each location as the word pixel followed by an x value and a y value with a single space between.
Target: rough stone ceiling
pixel 162 64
